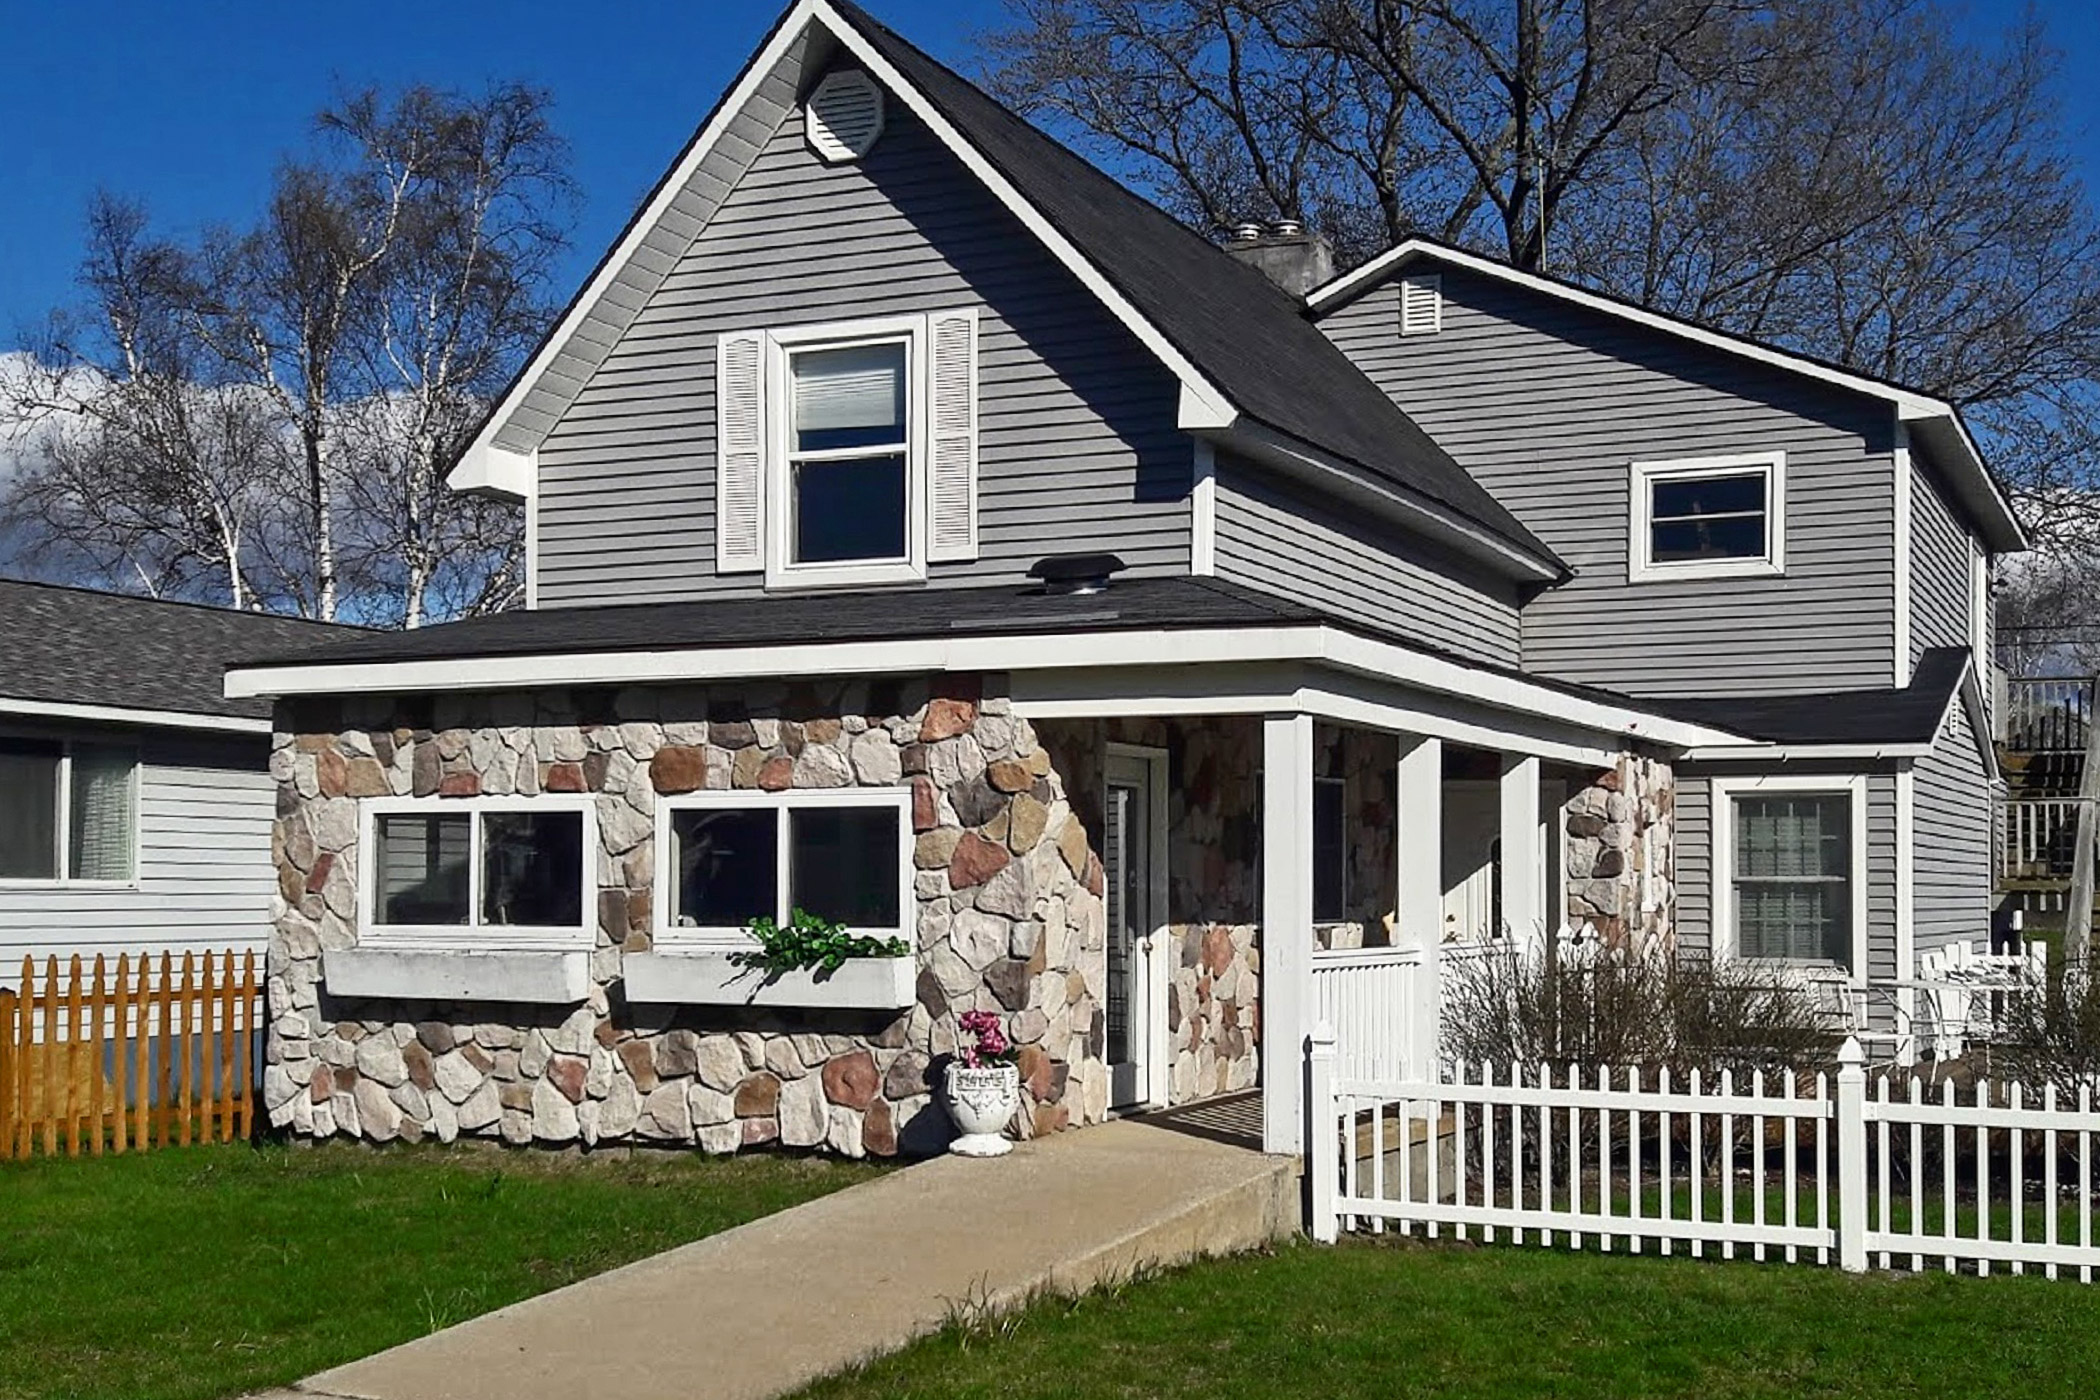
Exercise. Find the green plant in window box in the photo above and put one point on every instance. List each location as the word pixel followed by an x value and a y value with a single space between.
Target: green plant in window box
pixel 806 943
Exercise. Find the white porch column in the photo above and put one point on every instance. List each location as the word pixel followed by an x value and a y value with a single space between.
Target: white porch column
pixel 1523 857
pixel 1418 843
pixel 1286 925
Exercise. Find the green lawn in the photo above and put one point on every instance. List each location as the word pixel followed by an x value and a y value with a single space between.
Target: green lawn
pixel 204 1272
pixel 1392 1319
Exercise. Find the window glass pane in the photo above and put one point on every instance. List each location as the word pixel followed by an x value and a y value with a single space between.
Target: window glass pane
pixel 1793 877
pixel 1741 537
pixel 1330 852
pixel 421 865
pixel 842 864
pixel 28 811
pixel 850 510
pixel 532 869
pixel 850 397
pixel 1709 495
pixel 104 816
pixel 728 866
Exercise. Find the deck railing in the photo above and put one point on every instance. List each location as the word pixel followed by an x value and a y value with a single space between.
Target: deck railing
pixel 2038 838
pixel 2047 714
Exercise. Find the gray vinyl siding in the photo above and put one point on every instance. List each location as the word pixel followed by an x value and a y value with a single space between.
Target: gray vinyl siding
pixel 1939 568
pixel 1077 440
pixel 1548 404
pixel 204 873
pixel 1951 838
pixel 1695 858
pixel 1272 537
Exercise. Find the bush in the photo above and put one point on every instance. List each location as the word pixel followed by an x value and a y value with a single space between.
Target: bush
pixel 1600 1006
pixel 2048 1030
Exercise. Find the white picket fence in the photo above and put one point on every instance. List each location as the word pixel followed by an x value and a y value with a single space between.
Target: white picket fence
pixel 1811 1167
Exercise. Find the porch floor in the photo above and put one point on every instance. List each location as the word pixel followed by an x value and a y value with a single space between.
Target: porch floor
pixel 1231 1119
pixel 769 1306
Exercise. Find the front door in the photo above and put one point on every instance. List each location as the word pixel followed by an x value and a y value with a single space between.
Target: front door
pixel 1134 869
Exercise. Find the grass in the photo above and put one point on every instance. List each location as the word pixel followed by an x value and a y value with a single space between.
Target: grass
pixel 1391 1319
pixel 204 1272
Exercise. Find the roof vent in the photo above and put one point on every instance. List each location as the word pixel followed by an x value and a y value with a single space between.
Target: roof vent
pixel 1076 573
pixel 1421 304
pixel 843 116
pixel 1286 228
pixel 1246 232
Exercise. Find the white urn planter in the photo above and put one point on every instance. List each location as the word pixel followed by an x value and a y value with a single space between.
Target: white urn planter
pixel 981 1102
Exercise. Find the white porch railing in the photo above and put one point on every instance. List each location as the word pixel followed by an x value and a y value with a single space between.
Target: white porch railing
pixel 1377 1001
pixel 1812 1167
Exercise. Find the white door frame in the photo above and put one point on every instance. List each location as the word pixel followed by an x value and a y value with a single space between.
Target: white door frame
pixel 1141 764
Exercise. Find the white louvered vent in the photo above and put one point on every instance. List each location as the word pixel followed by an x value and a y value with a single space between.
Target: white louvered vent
pixel 740 482
pixel 1421 305
pixel 952 493
pixel 844 116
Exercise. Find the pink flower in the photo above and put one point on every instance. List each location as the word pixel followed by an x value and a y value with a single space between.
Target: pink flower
pixel 991 1045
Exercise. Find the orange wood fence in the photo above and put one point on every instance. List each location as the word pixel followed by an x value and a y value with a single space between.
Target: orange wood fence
pixel 95 1057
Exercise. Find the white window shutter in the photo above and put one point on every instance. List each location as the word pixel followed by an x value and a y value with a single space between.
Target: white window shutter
pixel 951 493
pixel 740 465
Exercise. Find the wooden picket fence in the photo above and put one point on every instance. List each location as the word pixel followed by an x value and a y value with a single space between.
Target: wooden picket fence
pixel 95 1057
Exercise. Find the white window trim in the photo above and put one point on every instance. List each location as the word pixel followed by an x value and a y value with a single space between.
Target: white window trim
pixel 668 935
pixel 1722 896
pixel 473 936
pixel 63 881
pixel 1640 536
pixel 916 333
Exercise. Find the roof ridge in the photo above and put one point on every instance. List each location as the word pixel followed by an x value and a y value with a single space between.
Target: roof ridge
pixel 195 604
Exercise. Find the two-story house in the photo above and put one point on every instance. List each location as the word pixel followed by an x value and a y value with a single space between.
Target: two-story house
pixel 1172 651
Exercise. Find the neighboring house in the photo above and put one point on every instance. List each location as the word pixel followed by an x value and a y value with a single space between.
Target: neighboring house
pixel 1437 608
pixel 135 798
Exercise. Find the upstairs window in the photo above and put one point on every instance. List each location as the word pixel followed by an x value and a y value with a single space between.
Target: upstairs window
pixel 68 813
pixel 1708 517
pixel 846 454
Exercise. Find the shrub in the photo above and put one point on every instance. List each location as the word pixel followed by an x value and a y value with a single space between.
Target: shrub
pixel 1603 1006
pixel 2048 1030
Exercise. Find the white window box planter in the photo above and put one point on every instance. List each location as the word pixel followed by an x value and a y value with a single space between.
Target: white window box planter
pixel 547 977
pixel 698 978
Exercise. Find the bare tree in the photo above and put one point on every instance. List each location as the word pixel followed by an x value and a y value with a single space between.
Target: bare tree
pixel 338 353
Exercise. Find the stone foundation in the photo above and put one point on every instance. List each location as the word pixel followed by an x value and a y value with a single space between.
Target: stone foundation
pixel 1009 919
pixel 1621 838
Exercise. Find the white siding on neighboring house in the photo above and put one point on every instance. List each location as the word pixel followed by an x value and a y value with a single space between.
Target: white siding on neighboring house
pixel 204 873
pixel 1951 823
pixel 1277 539
pixel 1549 404
pixel 1078 448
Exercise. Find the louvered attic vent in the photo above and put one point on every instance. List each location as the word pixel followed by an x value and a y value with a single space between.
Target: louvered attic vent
pixel 844 116
pixel 1421 305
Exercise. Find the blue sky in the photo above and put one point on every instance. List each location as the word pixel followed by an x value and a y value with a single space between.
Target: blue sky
pixel 189 106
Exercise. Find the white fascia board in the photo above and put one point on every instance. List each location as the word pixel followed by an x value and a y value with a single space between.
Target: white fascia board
pixel 1313 644
pixel 1911 407
pixel 488 470
pixel 1805 753
pixel 117 714
pixel 1202 403
pixel 1333 476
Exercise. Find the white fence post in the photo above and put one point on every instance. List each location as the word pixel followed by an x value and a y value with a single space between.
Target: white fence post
pixel 1322 1145
pixel 1852 1157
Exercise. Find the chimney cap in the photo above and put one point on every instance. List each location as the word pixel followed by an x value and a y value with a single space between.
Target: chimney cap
pixel 1287 228
pixel 1076 573
pixel 1245 231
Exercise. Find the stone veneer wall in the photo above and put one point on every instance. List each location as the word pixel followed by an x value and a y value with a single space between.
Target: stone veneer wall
pixel 1007 893
pixel 1621 831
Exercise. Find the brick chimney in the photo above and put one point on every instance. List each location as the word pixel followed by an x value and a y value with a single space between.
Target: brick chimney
pixel 1285 253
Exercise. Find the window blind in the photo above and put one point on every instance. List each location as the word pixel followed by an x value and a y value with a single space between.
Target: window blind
pixel 104 815
pixel 1793 877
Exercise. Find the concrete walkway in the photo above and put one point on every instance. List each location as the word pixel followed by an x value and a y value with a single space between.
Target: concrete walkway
pixel 765 1308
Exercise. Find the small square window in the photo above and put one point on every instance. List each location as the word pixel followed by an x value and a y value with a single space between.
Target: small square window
pixel 838 857
pixel 1712 518
pixel 727 865
pixel 422 867
pixel 439 865
pixel 842 864
pixel 532 869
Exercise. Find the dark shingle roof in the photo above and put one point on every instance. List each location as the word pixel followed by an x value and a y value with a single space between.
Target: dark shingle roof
pixel 1908 716
pixel 75 646
pixel 1254 340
